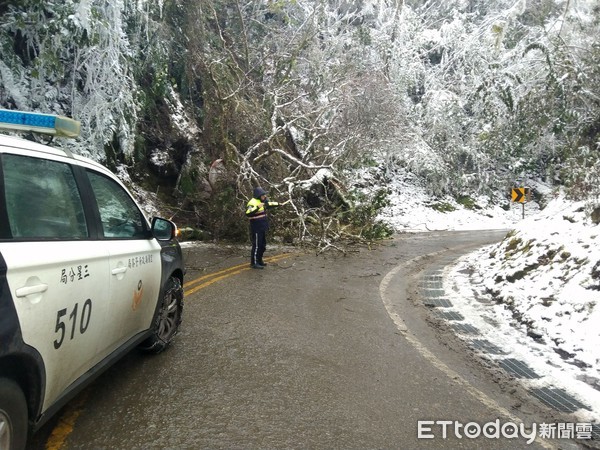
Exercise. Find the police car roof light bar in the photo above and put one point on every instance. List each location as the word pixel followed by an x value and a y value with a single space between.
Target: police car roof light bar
pixel 39 123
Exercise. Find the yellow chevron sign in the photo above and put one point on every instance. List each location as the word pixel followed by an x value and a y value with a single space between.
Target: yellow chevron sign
pixel 520 195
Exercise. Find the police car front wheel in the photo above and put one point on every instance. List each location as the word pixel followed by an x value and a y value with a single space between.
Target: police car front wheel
pixel 13 416
pixel 168 318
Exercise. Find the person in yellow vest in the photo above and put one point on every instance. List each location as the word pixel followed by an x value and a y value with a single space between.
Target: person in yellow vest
pixel 256 211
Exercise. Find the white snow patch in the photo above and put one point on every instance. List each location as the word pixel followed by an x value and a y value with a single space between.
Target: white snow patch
pixel 546 271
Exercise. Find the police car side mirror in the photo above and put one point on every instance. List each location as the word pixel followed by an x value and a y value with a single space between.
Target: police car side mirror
pixel 163 229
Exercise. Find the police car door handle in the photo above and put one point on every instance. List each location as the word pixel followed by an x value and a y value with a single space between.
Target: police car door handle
pixel 28 290
pixel 119 270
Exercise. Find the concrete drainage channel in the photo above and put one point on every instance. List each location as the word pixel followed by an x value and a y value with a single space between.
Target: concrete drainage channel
pixel 434 296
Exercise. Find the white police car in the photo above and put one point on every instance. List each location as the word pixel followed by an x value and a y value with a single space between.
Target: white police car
pixel 84 277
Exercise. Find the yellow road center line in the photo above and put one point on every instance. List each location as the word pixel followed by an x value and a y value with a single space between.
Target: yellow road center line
pixel 234 269
pixel 210 275
pixel 214 280
pixel 61 432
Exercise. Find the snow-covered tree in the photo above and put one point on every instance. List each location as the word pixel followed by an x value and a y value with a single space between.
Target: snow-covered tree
pixel 210 98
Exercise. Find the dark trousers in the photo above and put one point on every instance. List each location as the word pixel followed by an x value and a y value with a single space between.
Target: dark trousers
pixel 259 245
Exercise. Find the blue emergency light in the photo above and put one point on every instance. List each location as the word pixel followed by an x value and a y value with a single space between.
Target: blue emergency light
pixel 39 123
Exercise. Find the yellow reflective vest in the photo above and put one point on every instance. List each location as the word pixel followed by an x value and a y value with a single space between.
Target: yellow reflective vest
pixel 256 211
pixel 256 207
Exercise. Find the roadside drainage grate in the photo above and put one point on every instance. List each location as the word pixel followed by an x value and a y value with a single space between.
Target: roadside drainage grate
pixel 449 315
pixel 431 285
pixel 558 400
pixel 433 278
pixel 465 328
pixel 434 293
pixel 487 347
pixel 517 368
pixel 438 302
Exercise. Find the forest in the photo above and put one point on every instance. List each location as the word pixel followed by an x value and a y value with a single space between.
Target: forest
pixel 193 103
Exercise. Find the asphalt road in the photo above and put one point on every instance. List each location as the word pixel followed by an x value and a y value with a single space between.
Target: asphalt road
pixel 324 351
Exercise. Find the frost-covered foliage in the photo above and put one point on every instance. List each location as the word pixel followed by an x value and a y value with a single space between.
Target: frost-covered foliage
pixel 69 58
pixel 76 58
pixel 500 91
pixel 469 96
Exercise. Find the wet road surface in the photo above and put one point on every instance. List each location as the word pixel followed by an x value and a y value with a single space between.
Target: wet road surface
pixel 303 354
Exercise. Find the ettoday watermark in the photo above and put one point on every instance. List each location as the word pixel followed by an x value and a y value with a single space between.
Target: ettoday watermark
pixel 431 429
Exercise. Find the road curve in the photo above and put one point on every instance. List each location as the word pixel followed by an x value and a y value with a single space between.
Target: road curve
pixel 302 354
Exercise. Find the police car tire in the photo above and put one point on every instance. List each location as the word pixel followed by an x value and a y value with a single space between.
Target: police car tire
pixel 171 307
pixel 13 409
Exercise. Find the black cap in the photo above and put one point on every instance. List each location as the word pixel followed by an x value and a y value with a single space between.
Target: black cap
pixel 258 191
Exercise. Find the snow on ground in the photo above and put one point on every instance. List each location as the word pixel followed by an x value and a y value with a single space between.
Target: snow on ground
pixel 412 209
pixel 536 294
